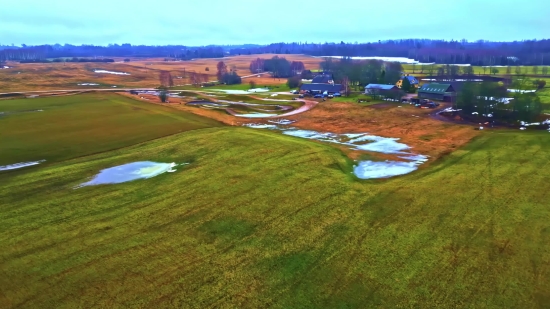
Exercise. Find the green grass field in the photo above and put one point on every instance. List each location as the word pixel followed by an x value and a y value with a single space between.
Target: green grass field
pixel 260 219
pixel 73 126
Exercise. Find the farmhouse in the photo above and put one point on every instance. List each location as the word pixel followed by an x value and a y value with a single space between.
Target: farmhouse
pixel 413 80
pixel 439 92
pixel 321 88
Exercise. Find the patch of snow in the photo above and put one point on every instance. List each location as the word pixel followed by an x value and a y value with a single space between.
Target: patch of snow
pixel 282 121
pixel 19 165
pixel 88 84
pixel 523 128
pixel 129 172
pixel 110 72
pixel 255 115
pixel 260 126
pixel 452 80
pixel 521 91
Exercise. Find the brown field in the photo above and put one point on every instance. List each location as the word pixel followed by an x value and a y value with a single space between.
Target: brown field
pixel 144 73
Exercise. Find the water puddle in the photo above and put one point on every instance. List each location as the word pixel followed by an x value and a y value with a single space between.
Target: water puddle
pixel 19 165
pixel 110 72
pixel 366 169
pixel 130 172
pixel 88 84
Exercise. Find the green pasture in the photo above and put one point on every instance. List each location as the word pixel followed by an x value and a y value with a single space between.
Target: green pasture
pixel 259 219
pixel 79 125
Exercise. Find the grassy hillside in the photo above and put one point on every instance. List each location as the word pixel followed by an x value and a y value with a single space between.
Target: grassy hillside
pixel 276 221
pixel 72 126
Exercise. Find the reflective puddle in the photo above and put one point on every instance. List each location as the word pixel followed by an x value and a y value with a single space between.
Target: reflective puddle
pixel 130 172
pixel 366 169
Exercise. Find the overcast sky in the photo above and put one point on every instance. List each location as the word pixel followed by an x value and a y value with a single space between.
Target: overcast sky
pixel 203 22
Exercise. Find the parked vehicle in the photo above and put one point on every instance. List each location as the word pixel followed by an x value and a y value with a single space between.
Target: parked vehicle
pixel 301 96
pixel 337 94
pixel 330 96
pixel 294 91
pixel 318 96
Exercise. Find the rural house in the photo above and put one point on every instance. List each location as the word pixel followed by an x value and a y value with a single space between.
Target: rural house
pixel 321 88
pixel 323 79
pixel 439 92
pixel 412 80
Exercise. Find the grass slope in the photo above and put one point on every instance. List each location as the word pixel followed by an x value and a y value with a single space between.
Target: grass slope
pixel 276 221
pixel 72 126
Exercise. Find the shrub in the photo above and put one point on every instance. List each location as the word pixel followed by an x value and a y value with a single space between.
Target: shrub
pixel 294 82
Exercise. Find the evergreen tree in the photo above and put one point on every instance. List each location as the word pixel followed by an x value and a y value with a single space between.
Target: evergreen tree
pixel 406 85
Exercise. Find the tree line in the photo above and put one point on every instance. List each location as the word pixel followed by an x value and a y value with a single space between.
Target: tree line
pixel 479 53
pixel 113 50
pixel 66 60
pixel 488 99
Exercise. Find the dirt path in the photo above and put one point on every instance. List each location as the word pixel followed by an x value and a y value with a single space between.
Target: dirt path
pixel 304 108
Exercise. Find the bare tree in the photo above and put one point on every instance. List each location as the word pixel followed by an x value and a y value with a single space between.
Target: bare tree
pixel 544 70
pixel 345 86
pixel 166 79
pixel 222 70
pixel 508 70
pixel 518 70
pixel 535 70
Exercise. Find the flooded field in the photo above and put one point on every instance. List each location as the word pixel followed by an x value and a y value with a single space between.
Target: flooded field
pixel 404 163
pixel 130 172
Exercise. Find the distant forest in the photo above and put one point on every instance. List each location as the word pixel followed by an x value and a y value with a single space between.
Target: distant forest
pixel 483 53
pixel 486 53
pixel 41 52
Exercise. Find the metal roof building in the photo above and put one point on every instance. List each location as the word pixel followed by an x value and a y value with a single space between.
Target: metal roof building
pixel 439 92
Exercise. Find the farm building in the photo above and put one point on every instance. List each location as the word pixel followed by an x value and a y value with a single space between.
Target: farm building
pixel 439 92
pixel 320 88
pixel 412 80
pixel 323 79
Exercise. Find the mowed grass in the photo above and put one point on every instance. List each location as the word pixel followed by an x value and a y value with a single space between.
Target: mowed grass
pixel 78 125
pixel 259 219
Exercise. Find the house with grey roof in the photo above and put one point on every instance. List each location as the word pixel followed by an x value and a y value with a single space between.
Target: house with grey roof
pixel 377 88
